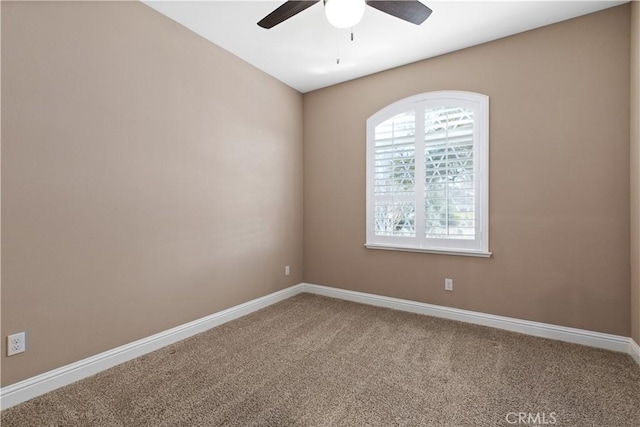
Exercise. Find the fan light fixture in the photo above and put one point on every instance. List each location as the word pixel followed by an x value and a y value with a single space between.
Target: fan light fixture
pixel 344 13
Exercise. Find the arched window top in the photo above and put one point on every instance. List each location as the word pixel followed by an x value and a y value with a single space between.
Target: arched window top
pixel 436 98
pixel 427 174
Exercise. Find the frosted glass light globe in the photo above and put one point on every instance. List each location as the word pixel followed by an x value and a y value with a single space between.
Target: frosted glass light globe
pixel 344 13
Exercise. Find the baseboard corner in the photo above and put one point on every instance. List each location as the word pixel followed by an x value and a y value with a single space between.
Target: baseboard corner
pixel 634 350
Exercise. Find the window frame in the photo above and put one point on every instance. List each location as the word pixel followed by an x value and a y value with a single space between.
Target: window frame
pixel 479 104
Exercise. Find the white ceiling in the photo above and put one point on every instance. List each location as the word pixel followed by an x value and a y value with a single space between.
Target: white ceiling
pixel 302 51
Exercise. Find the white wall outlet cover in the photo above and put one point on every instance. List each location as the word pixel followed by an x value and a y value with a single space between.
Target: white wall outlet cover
pixel 16 343
pixel 448 284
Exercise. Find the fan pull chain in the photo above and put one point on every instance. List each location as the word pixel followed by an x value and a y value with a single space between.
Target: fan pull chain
pixel 337 46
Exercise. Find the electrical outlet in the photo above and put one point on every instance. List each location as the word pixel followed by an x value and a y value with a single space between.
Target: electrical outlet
pixel 448 284
pixel 287 270
pixel 16 344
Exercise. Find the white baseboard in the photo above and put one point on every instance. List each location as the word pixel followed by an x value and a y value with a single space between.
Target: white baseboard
pixel 577 336
pixel 48 381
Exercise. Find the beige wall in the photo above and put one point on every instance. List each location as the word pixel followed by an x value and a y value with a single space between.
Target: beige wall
pixel 635 171
pixel 127 208
pixel 559 179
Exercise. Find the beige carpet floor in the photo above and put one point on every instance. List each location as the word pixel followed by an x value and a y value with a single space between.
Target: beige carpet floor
pixel 315 361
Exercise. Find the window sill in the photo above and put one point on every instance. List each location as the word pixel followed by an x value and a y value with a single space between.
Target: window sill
pixel 477 254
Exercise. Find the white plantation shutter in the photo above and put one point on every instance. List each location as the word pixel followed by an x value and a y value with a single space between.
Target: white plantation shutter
pixel 395 176
pixel 449 176
pixel 427 170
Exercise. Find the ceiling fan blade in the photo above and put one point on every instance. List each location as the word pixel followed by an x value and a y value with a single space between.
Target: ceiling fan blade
pixel 408 10
pixel 284 12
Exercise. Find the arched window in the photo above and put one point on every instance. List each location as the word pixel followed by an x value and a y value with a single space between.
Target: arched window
pixel 428 174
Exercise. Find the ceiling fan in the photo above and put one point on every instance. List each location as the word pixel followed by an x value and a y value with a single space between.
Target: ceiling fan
pixel 347 13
